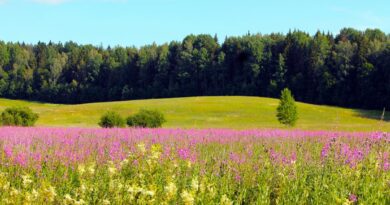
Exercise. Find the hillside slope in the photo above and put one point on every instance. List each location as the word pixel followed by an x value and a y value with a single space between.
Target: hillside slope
pixel 208 112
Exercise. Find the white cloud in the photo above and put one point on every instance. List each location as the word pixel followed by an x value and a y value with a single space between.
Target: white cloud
pixel 3 2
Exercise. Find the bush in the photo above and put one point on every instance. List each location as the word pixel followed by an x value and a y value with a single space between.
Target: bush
pixel 146 118
pixel 287 112
pixel 18 116
pixel 111 119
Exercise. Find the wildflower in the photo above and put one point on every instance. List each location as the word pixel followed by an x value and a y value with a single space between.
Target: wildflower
pixel 124 162
pixel 237 178
pixel 49 193
pixel 225 200
pixel 26 180
pixel 352 198
pixel 141 148
pixel 6 186
pixel 68 199
pixel 325 151
pixel 211 190
pixel 112 170
pixel 91 169
pixel 170 190
pixel 187 197
pixel 34 194
pixel 83 188
pixel 30 197
pixel 195 184
pixel 79 202
pixel 14 192
pixel 148 193
pixel 149 162
pixel 155 155
pixel 106 202
pixel 81 169
pixel 155 151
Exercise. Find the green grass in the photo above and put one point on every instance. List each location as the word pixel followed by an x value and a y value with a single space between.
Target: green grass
pixel 209 112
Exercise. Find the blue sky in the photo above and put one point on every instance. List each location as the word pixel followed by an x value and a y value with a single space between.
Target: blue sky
pixel 140 22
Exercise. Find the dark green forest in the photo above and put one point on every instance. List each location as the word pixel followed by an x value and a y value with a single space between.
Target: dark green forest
pixel 350 69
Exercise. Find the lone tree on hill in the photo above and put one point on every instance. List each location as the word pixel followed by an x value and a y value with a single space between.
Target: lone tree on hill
pixel 287 112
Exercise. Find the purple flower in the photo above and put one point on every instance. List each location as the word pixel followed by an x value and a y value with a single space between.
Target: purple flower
pixel 352 198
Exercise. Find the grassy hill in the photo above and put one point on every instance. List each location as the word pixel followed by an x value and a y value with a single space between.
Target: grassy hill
pixel 208 112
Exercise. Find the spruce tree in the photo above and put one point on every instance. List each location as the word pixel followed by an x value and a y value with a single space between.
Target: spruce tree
pixel 287 112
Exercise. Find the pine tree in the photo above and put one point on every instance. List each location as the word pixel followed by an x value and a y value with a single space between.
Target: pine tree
pixel 287 112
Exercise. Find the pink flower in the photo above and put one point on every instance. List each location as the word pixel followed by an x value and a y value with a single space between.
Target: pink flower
pixel 352 198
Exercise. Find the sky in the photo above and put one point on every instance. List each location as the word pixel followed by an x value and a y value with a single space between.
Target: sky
pixel 141 22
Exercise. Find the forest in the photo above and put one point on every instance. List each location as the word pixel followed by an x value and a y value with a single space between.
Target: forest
pixel 350 69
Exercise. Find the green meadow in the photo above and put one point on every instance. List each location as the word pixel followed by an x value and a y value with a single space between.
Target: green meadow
pixel 209 112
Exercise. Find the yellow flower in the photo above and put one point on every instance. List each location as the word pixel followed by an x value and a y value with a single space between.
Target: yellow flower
pixel 211 190
pixel 148 193
pixel 81 169
pixel 6 186
pixel 225 200
pixel 14 192
pixel 141 147
pixel 49 193
pixel 26 180
pixel 30 197
pixel 79 202
pixel 106 202
pixel 170 190
pixel 35 194
pixel 124 162
pixel 112 170
pixel 91 169
pixel 68 199
pixel 195 184
pixel 187 197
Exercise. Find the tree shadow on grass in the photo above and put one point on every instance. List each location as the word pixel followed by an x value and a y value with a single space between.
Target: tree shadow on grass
pixel 373 114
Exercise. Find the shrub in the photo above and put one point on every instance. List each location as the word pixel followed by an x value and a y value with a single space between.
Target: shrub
pixel 111 119
pixel 146 118
pixel 287 112
pixel 18 116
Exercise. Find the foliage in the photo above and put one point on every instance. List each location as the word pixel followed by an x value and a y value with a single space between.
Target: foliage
pixel 146 118
pixel 18 116
pixel 348 69
pixel 177 166
pixel 111 119
pixel 287 112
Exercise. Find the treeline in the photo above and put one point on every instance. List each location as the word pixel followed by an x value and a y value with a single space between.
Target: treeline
pixel 350 69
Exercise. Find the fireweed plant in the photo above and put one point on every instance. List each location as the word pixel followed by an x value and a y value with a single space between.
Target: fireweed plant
pixel 179 166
